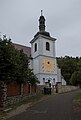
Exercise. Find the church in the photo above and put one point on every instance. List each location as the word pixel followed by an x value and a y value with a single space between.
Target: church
pixel 42 52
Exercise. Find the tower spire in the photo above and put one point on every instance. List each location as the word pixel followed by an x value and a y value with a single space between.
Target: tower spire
pixel 42 26
pixel 41 22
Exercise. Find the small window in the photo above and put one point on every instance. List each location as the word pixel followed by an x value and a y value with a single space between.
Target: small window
pixel 54 80
pixel 35 48
pixel 43 80
pixel 47 46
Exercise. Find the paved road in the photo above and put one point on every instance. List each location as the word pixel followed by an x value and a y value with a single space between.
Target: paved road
pixel 57 107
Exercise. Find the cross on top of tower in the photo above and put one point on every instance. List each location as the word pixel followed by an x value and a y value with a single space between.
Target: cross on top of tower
pixel 41 12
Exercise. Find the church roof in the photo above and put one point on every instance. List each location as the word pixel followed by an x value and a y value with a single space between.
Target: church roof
pixel 42 31
pixel 43 36
pixel 26 49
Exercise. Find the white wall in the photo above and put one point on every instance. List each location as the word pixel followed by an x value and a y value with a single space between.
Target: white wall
pixel 33 53
pixel 63 82
pixel 50 53
pixel 36 65
pixel 41 47
pixel 47 77
pixel 59 74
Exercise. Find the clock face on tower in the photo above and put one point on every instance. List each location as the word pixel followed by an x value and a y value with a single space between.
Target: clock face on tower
pixel 48 65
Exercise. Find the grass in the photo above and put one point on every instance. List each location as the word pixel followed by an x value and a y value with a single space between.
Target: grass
pixel 78 97
pixel 2 114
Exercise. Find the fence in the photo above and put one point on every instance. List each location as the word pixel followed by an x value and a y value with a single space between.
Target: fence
pixel 13 93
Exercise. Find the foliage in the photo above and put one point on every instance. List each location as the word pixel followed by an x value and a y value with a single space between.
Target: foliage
pixel 31 77
pixel 69 67
pixel 78 97
pixel 14 64
pixel 76 78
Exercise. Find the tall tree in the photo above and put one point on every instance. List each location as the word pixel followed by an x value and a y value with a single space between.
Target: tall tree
pixel 14 64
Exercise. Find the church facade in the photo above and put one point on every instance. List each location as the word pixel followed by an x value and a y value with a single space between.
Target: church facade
pixel 42 51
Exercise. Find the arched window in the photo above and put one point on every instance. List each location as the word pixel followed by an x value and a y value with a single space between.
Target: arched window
pixel 35 47
pixel 47 46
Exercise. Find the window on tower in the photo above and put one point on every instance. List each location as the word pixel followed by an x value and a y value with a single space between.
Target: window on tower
pixel 47 46
pixel 43 80
pixel 53 80
pixel 35 47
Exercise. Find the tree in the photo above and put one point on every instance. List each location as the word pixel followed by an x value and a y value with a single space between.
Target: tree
pixel 69 65
pixel 6 64
pixel 31 77
pixel 14 64
pixel 76 78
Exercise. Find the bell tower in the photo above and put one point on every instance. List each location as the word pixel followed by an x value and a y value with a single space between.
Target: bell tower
pixel 44 63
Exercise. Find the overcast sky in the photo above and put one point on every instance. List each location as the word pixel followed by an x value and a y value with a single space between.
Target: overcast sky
pixel 19 20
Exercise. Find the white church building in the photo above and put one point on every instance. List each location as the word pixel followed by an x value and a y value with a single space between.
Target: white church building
pixel 42 51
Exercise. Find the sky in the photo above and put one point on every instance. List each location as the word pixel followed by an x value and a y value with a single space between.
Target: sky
pixel 19 20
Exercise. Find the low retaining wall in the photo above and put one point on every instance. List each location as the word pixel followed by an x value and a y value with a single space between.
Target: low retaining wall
pixel 57 89
pixel 62 89
pixel 16 99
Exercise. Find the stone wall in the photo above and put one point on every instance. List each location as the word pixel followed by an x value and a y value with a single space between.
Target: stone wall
pixel 3 95
pixel 62 89
pixel 16 99
pixel 40 88
pixel 57 89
